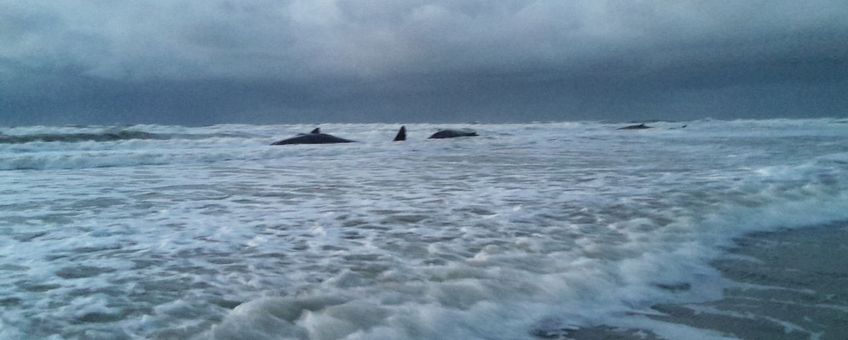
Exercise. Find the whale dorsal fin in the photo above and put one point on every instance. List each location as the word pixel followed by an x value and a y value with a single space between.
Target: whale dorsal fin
pixel 317 130
pixel 401 135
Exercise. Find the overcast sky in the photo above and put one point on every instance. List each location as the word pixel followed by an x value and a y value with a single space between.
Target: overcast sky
pixel 260 61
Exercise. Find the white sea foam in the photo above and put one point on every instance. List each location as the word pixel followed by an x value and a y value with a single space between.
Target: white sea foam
pixel 212 232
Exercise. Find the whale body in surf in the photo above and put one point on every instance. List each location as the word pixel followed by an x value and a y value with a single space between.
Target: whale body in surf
pixel 635 127
pixel 453 133
pixel 314 137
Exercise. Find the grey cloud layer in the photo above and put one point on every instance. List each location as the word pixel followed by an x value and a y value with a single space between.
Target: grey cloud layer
pixel 381 55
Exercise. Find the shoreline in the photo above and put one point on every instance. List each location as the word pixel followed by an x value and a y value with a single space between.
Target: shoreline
pixel 784 284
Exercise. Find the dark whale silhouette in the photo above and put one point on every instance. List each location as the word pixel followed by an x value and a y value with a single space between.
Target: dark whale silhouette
pixel 401 135
pixel 453 133
pixel 635 127
pixel 314 137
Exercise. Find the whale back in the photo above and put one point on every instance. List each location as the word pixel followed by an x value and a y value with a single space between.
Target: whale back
pixel 641 126
pixel 453 133
pixel 312 138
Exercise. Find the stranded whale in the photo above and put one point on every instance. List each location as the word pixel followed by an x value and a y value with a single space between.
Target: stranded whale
pixel 314 137
pixel 635 127
pixel 453 133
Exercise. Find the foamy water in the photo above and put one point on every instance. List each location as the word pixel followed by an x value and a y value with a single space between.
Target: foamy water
pixel 210 232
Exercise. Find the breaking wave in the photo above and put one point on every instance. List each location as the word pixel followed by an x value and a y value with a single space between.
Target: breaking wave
pixel 104 136
pixel 80 137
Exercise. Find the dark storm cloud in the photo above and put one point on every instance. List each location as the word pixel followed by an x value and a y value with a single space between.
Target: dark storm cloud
pixel 513 60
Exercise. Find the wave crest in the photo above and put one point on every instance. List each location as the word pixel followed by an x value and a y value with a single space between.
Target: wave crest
pixel 105 136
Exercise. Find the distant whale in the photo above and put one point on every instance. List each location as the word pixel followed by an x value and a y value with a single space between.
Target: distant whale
pixel 453 133
pixel 635 127
pixel 314 137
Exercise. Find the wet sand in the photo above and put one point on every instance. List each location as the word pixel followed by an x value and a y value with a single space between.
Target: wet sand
pixel 790 284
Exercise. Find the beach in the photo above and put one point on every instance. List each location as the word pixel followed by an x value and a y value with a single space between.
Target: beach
pixel 715 230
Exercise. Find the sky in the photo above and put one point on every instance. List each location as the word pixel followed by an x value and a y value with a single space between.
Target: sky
pixel 199 62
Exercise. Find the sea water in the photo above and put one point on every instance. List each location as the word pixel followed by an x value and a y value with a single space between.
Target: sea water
pixel 528 231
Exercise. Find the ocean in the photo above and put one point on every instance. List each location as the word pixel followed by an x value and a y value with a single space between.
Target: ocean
pixel 572 230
